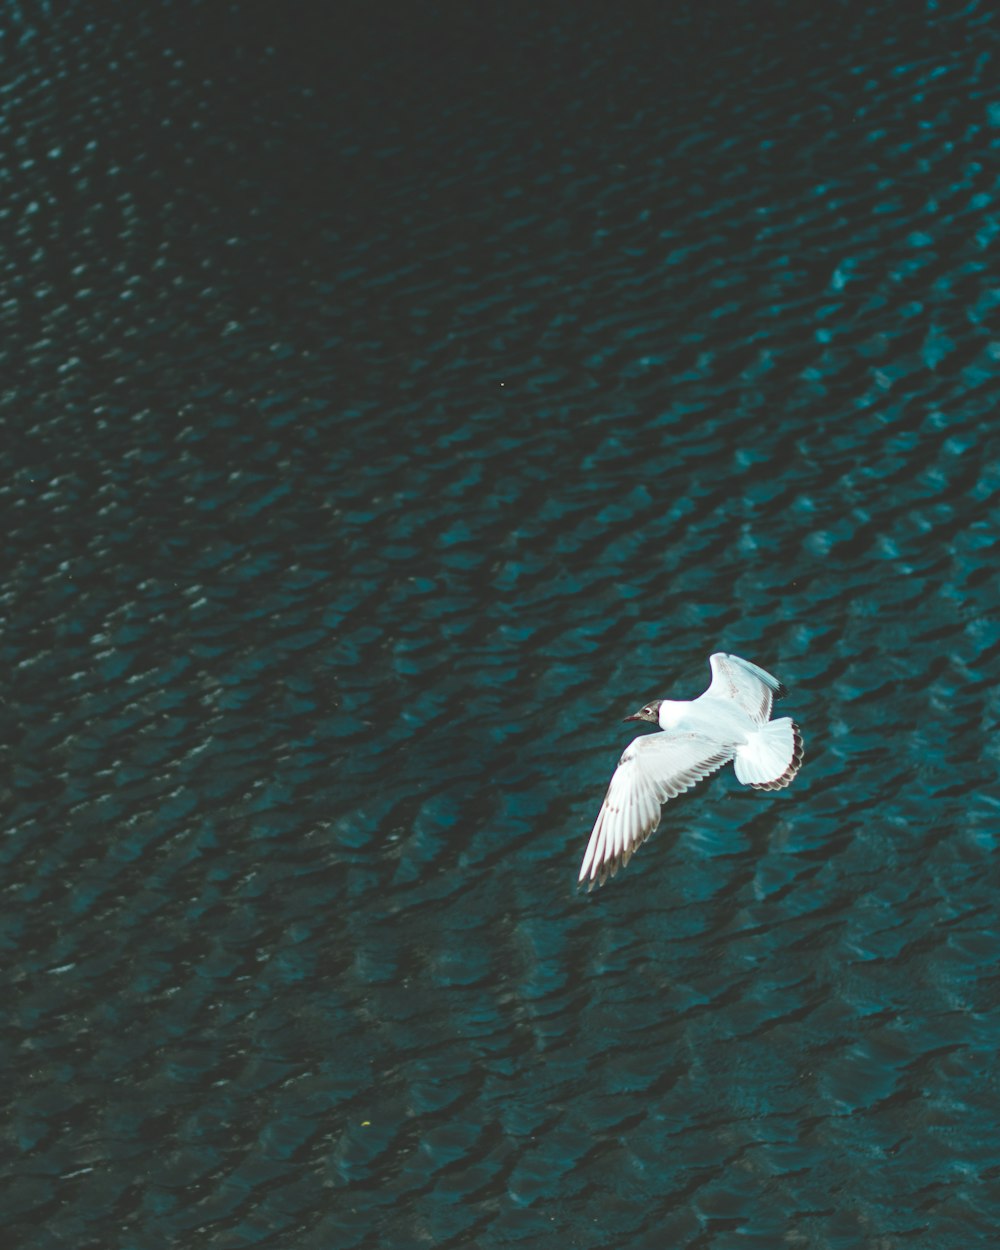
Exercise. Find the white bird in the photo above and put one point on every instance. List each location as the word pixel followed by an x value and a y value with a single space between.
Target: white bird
pixel 730 721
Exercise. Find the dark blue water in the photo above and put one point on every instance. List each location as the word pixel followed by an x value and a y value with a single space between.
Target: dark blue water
pixel 390 404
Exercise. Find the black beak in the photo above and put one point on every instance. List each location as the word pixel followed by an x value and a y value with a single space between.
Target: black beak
pixel 634 716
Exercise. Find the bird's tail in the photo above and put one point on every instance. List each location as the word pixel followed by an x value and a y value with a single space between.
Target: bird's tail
pixel 772 757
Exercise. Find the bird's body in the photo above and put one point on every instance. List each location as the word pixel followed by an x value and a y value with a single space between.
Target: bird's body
pixel 730 721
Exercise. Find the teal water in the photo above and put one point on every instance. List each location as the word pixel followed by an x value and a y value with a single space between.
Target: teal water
pixel 388 409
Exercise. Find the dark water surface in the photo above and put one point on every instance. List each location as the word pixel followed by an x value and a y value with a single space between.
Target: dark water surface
pixel 389 406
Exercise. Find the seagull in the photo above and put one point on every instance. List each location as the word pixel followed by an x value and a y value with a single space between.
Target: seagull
pixel 730 721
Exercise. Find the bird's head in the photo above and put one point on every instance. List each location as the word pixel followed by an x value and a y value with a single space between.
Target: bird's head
pixel 650 712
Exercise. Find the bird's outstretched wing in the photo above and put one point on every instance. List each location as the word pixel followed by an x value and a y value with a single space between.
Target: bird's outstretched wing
pixel 653 769
pixel 745 684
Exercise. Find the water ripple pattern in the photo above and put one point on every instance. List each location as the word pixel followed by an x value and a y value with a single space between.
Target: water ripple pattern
pixel 388 409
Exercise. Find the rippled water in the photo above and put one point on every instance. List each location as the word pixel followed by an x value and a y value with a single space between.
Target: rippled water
pixel 388 409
